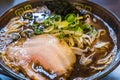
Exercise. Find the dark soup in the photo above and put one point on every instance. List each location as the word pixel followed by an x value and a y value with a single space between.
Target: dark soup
pixel 45 45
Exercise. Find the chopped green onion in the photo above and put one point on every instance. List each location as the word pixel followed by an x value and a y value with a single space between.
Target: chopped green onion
pixel 62 35
pixel 63 24
pixel 78 32
pixel 86 27
pixel 79 29
pixel 70 17
pixel 74 24
pixel 52 20
pixel 35 25
pixel 80 17
pixel 72 28
pixel 38 31
pixel 94 32
pixel 47 23
pixel 55 19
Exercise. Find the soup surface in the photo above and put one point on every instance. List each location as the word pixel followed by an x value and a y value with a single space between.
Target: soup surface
pixel 44 45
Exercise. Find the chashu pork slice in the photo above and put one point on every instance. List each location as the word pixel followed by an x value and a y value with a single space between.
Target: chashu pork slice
pixel 53 54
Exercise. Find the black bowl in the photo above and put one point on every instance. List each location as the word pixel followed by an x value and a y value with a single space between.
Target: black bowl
pixel 103 13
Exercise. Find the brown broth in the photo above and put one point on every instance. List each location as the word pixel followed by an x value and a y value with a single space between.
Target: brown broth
pixel 85 71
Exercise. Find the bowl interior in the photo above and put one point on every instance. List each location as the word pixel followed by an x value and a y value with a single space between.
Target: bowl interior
pixel 103 13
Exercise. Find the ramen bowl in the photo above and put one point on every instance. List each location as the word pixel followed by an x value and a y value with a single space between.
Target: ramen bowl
pixel 104 14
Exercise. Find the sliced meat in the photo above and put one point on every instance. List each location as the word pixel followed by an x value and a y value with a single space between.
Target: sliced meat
pixel 54 55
